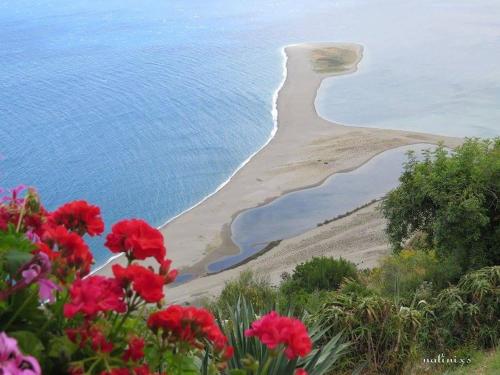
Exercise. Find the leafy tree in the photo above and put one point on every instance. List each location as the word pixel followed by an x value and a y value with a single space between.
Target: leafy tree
pixel 453 198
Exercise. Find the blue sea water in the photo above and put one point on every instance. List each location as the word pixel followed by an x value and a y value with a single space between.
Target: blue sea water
pixel 144 107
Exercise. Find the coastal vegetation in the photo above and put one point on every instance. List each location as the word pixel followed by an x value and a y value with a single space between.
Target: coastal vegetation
pixel 451 200
pixel 432 306
pixel 331 60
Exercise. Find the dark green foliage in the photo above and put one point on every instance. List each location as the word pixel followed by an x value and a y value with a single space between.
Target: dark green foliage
pixel 453 199
pixel 466 313
pixel 401 275
pixel 256 289
pixel 311 278
pixel 249 350
pixel 382 334
pixel 320 274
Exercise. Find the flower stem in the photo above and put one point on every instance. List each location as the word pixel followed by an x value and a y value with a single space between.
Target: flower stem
pixel 18 312
pixel 21 215
pixel 265 369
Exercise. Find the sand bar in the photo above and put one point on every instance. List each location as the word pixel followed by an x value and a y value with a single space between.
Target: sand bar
pixel 305 150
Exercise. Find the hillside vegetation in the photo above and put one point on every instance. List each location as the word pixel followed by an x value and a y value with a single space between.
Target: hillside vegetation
pixel 433 304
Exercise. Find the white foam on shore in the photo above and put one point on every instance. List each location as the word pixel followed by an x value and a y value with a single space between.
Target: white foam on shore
pixel 274 113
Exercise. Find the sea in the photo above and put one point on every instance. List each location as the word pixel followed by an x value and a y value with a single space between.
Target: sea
pixel 147 107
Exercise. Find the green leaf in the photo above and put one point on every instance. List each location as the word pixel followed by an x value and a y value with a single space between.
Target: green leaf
pixel 181 364
pixel 61 347
pixel 15 259
pixel 12 240
pixel 28 342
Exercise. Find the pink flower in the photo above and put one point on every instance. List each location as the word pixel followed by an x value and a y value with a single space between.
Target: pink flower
pixel 31 273
pixel 14 198
pixel 32 236
pixel 38 266
pixel 13 362
pixel 46 290
pixel 300 371
pixel 35 271
pixel 8 348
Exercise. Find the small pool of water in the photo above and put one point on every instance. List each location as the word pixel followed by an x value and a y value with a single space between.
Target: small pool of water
pixel 299 211
pixel 183 278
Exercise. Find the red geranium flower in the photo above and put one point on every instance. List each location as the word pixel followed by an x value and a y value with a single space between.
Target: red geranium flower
pixel 189 324
pixel 94 294
pixel 79 217
pixel 300 371
pixel 136 238
pixel 273 330
pixel 89 334
pixel 135 350
pixel 76 371
pixel 99 342
pixel 145 282
pixel 142 370
pixel 165 271
pixel 72 251
pixel 117 371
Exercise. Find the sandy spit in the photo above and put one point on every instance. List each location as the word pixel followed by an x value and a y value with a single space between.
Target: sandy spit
pixel 305 150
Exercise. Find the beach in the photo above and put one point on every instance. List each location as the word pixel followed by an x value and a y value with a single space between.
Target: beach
pixel 305 150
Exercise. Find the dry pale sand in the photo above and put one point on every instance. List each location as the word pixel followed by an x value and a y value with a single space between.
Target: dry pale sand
pixel 305 150
pixel 358 237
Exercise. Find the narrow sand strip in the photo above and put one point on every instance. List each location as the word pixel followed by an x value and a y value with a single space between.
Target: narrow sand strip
pixel 305 150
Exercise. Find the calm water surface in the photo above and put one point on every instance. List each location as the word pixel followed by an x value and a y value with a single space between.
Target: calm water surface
pixel 144 107
pixel 299 211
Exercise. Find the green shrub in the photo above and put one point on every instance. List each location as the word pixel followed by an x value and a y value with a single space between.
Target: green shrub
pixel 256 289
pixel 383 335
pixel 466 313
pixel 309 282
pixel 453 200
pixel 401 275
pixel 322 274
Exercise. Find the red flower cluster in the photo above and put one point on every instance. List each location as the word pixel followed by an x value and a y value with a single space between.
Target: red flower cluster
pixel 191 325
pixel 94 294
pixel 165 271
pixel 145 282
pixel 142 370
pixel 137 239
pixel 72 251
pixel 90 334
pixel 273 330
pixel 79 217
pixel 135 350
pixel 140 241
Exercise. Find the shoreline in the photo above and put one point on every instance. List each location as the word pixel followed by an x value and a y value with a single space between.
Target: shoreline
pixel 304 150
pixel 274 130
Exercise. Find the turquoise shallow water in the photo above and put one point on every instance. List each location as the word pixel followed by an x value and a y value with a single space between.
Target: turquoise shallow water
pixel 145 107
